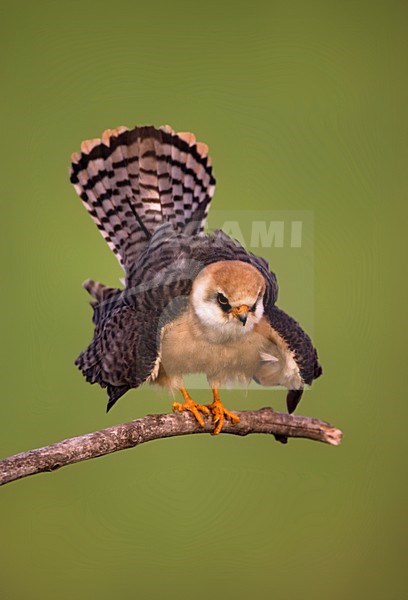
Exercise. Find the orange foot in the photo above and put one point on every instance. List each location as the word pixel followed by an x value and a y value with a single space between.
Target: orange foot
pixel 220 413
pixel 192 406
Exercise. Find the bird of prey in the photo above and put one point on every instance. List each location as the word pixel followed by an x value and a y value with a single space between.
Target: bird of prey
pixel 192 302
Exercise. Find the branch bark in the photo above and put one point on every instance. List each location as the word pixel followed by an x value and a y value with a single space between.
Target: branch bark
pixel 153 427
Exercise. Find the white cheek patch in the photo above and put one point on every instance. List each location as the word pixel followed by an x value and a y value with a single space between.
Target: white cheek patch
pixel 259 311
pixel 207 311
pixel 209 314
pixel 198 293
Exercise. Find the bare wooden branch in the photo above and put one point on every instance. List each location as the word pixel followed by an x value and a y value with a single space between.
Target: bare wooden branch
pixel 153 427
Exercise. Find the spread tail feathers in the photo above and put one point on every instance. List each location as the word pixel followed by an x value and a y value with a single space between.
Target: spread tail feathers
pixel 131 181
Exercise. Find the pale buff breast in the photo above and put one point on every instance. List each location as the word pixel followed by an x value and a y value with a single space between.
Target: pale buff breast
pixel 186 348
pixel 260 354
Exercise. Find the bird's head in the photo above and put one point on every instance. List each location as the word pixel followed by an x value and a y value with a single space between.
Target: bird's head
pixel 227 297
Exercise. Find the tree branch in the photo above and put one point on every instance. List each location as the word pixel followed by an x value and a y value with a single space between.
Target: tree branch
pixel 153 427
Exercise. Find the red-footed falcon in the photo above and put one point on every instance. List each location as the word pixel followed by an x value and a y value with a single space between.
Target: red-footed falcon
pixel 192 302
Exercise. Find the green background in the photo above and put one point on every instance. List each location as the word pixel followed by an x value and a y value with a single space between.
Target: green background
pixel 303 105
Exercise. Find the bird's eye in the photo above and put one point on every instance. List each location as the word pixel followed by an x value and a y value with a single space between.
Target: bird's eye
pixel 223 302
pixel 222 299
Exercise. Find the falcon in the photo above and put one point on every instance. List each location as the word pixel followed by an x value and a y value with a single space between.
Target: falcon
pixel 192 302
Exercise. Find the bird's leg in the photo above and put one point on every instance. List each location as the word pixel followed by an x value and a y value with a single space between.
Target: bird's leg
pixel 192 406
pixel 220 413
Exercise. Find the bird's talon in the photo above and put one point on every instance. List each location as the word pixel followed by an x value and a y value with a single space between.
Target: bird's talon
pixel 233 418
pixel 220 413
pixel 192 406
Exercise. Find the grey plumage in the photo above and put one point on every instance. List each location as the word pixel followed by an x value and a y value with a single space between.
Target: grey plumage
pixel 148 190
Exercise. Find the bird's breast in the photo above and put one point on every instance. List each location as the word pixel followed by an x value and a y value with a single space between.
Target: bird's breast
pixel 187 348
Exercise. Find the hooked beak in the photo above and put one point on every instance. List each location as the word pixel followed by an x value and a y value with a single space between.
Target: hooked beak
pixel 241 312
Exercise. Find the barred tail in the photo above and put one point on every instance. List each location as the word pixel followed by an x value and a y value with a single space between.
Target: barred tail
pixel 131 181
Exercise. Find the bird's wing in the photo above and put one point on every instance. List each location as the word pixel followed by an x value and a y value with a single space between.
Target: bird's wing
pixel 290 359
pixel 111 358
pixel 297 341
pixel 125 350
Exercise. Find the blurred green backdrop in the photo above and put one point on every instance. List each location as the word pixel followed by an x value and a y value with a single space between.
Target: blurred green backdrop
pixel 303 105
